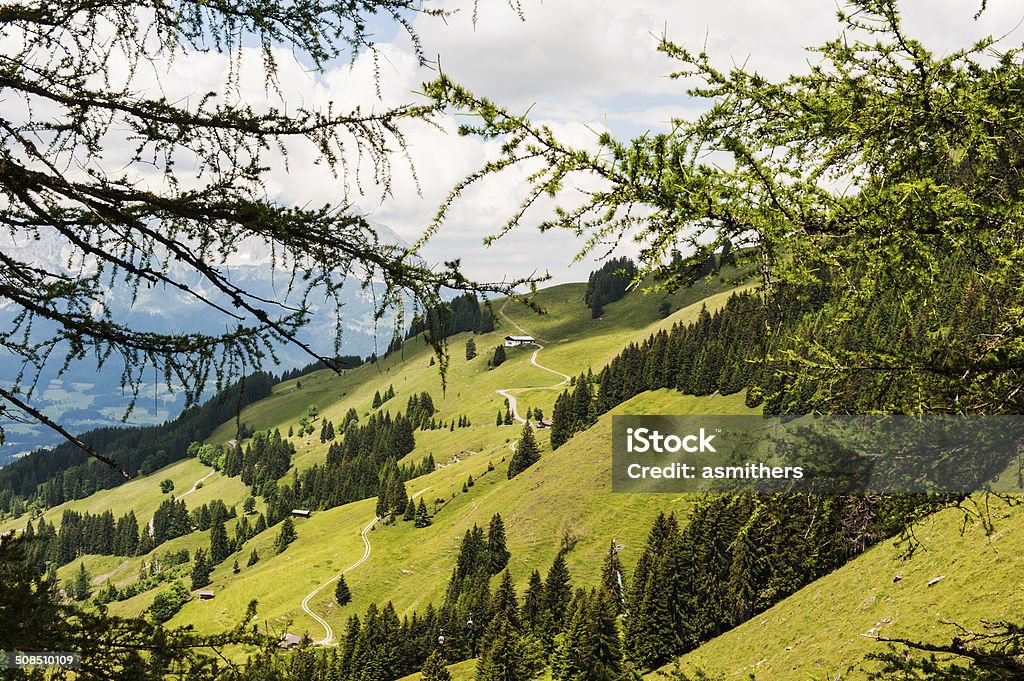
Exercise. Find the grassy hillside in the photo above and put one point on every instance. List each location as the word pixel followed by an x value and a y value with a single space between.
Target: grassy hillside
pixel 823 631
pixel 568 490
pixel 143 495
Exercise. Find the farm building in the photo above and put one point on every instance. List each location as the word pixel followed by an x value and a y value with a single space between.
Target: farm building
pixel 205 595
pixel 301 513
pixel 513 341
pixel 289 641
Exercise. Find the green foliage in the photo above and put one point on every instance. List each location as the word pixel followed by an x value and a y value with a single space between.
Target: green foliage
pixel 510 656
pixel 589 648
pixel 219 547
pixel 994 654
pixel 167 603
pixel 434 670
pixel 78 588
pixel 422 515
pixel 166 486
pixel 285 536
pixel 470 348
pixel 526 454
pixel 608 284
pixel 499 357
pixel 828 197
pixel 201 569
pixel 342 595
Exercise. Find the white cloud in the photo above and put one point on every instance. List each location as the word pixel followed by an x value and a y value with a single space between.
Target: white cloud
pixel 581 65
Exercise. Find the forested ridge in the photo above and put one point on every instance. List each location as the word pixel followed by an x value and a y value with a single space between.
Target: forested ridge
pixel 64 473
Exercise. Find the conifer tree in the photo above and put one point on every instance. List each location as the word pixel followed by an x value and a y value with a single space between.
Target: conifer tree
pixel 508 416
pixel 470 348
pixel 533 603
pixel 499 356
pixel 582 405
pixel 376 400
pixel 651 632
pixel 399 497
pixel 504 601
pixel 254 557
pixel 79 587
pixel 561 420
pixel 612 578
pixel 557 590
pixel 527 453
pixel 486 322
pixel 219 549
pixel 499 421
pixel 286 536
pixel 433 668
pixel 509 655
pixel 201 570
pixel 410 511
pixel 342 595
pixel 422 516
pixel 497 551
pixel 589 648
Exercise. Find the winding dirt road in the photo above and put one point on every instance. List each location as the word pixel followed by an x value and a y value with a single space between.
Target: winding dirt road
pixel 507 392
pixel 328 630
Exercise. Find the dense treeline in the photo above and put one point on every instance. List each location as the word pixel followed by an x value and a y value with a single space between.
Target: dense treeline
pixel 922 355
pixel 608 284
pixel 85 533
pixel 462 313
pixel 740 554
pixel 65 473
pixel 340 362
pixel 357 468
pixel 81 534
pixel 721 352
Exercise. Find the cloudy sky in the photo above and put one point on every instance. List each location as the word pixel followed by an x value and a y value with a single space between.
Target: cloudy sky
pixel 578 65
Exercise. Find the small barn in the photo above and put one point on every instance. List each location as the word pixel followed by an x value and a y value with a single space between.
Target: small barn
pixel 513 341
pixel 544 424
pixel 301 513
pixel 205 595
pixel 289 641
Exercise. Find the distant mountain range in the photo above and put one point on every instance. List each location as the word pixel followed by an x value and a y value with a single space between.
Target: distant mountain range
pixel 83 398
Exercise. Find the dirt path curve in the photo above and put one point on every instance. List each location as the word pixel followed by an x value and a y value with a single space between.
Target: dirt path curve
pixel 507 392
pixel 328 630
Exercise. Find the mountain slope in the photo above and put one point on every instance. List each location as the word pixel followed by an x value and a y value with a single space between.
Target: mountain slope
pixel 824 630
